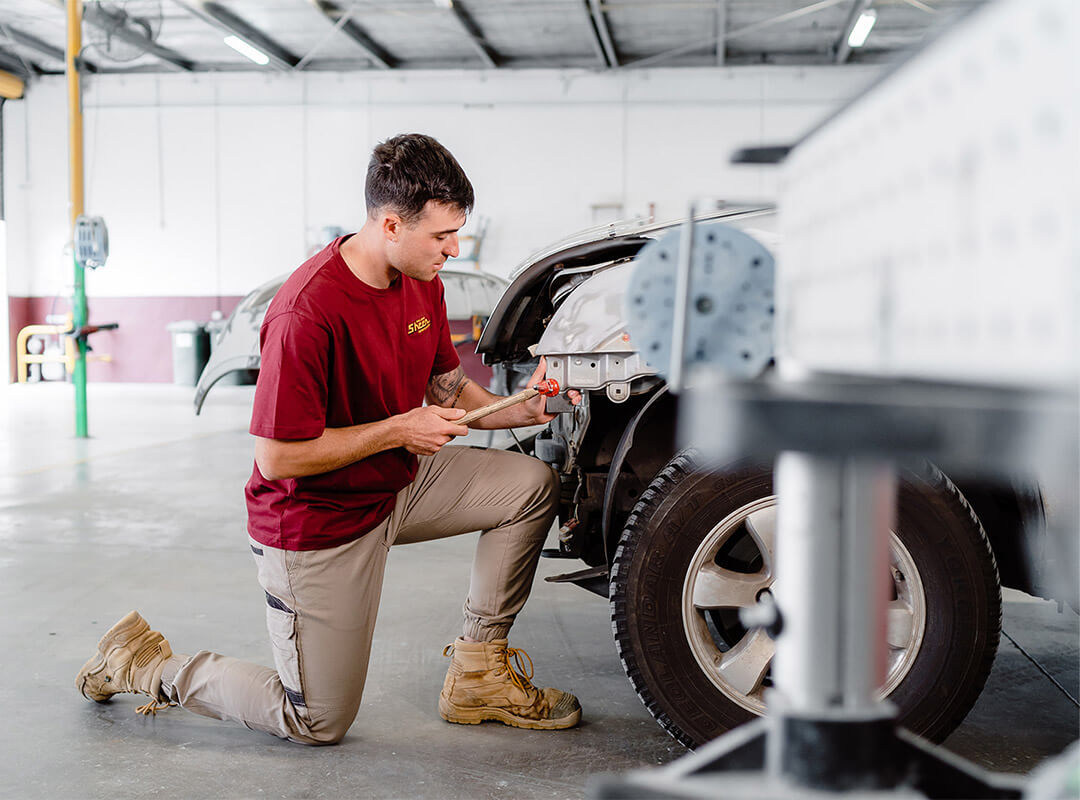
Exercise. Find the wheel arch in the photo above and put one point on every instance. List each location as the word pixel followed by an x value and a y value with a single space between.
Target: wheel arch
pixel 1011 513
pixel 642 443
pixel 1012 516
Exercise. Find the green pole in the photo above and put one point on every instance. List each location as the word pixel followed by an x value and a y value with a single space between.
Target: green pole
pixel 75 158
pixel 78 377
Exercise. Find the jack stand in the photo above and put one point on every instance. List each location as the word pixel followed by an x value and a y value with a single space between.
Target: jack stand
pixel 827 732
pixel 877 761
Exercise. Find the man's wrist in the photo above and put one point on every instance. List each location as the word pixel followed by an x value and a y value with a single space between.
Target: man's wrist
pixel 394 432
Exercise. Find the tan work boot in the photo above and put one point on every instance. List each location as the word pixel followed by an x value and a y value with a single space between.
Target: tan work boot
pixel 481 684
pixel 130 658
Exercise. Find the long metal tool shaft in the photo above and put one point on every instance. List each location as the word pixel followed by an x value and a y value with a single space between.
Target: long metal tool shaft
pixel 548 388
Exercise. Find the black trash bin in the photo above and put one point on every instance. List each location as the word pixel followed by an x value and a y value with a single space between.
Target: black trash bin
pixel 190 350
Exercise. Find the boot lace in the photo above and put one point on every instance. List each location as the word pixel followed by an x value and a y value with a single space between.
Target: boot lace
pixel 522 679
pixel 153 707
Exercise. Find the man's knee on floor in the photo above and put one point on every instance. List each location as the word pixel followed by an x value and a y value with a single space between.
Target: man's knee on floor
pixel 325 731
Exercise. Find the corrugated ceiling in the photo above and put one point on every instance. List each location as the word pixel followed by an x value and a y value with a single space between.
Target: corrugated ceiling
pixel 178 35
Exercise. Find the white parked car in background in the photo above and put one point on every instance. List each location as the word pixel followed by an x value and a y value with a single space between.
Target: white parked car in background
pixel 470 296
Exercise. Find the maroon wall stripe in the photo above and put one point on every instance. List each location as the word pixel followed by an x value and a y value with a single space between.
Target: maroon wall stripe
pixel 141 348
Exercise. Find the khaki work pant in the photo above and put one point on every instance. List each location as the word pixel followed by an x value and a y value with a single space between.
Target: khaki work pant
pixel 322 604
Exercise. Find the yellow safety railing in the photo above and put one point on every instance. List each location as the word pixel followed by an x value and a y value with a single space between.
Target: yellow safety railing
pixel 24 358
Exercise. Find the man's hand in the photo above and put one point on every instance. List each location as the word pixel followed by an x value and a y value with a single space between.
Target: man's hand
pixel 426 429
pixel 535 408
pixel 453 388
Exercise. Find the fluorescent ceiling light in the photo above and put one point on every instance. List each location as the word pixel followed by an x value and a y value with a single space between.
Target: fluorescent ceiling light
pixel 862 28
pixel 245 49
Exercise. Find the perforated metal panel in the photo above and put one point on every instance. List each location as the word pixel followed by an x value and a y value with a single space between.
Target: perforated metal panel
pixel 730 304
pixel 931 229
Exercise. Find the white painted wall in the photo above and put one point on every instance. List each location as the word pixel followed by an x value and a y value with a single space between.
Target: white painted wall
pixel 211 184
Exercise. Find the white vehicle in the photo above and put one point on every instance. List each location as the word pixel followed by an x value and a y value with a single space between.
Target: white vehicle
pixel 470 296
pixel 679 550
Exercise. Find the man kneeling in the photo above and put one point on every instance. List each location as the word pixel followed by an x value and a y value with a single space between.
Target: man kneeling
pixel 348 462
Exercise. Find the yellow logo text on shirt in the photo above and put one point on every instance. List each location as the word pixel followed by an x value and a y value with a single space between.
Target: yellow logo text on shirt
pixel 419 326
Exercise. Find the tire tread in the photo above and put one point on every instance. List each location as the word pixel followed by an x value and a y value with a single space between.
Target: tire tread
pixel 682 465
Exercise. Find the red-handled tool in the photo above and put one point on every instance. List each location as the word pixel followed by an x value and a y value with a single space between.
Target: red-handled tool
pixel 548 388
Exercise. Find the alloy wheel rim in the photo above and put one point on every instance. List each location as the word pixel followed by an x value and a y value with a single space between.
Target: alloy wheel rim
pixel 739 666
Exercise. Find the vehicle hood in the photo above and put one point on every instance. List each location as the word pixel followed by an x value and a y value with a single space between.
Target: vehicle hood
pixel 526 307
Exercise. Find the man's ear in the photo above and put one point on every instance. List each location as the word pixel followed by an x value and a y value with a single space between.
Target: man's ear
pixel 391 226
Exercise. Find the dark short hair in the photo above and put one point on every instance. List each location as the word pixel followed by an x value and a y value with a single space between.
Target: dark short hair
pixel 408 170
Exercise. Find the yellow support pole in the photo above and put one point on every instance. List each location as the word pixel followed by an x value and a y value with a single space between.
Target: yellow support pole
pixel 75 160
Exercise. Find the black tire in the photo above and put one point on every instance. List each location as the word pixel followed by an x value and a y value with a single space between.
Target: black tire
pixel 941 678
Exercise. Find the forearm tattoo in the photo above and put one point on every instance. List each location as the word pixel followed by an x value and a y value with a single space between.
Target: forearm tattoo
pixel 448 385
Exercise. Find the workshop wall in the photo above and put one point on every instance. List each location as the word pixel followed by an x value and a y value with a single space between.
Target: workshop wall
pixel 213 184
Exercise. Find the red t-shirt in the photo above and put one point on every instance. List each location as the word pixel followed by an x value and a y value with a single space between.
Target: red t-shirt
pixel 337 352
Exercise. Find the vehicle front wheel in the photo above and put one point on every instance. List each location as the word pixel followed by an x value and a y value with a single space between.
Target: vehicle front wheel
pixel 699 545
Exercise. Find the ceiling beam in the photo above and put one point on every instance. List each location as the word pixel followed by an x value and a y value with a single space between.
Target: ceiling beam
pixel 721 31
pixel 475 36
pixel 594 35
pixel 34 43
pixel 216 14
pixel 710 41
pixel 373 51
pixel 116 25
pixel 842 49
pixel 603 33
pixel 41 46
pixel 17 66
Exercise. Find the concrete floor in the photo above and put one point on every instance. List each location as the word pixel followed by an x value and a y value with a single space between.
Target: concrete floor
pixel 149 514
